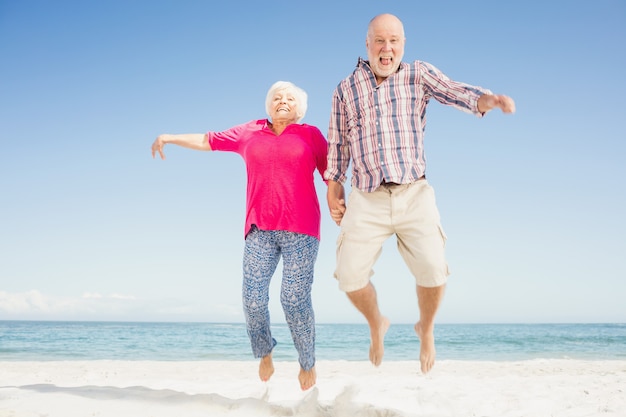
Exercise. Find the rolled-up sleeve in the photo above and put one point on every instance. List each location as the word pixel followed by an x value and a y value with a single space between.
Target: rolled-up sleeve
pixel 338 146
pixel 449 92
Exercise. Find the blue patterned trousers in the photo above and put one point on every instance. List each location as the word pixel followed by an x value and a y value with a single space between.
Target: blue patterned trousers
pixel 262 252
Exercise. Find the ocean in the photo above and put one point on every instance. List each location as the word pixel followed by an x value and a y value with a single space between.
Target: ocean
pixel 76 340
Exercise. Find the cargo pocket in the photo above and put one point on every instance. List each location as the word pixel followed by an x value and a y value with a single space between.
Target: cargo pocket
pixel 338 252
pixel 444 238
pixel 443 234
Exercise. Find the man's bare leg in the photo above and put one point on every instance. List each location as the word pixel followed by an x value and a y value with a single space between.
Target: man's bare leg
pixel 366 302
pixel 428 300
pixel 266 368
pixel 307 378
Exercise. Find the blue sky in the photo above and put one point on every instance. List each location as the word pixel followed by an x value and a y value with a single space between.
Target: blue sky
pixel 92 228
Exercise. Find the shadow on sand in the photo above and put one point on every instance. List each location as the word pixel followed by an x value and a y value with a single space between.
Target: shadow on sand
pixel 309 406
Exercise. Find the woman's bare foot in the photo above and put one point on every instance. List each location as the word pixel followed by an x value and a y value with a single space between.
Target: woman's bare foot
pixel 266 368
pixel 427 347
pixel 307 378
pixel 377 345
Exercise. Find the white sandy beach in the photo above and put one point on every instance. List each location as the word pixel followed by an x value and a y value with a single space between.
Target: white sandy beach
pixel 536 388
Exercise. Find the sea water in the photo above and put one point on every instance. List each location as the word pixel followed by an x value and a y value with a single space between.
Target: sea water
pixel 54 340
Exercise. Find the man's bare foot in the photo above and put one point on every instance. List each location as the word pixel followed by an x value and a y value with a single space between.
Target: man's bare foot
pixel 307 378
pixel 377 346
pixel 266 368
pixel 427 348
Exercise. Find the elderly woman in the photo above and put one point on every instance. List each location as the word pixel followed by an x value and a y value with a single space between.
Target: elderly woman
pixel 282 217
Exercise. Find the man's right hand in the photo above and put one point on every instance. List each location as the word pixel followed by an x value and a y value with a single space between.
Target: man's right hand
pixel 336 213
pixel 336 201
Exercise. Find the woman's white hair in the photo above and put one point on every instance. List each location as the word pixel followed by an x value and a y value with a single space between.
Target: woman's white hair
pixel 298 93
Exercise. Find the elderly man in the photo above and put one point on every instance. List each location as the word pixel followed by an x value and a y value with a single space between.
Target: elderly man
pixel 377 124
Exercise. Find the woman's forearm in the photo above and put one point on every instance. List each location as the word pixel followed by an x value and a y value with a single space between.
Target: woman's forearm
pixel 188 140
pixel 196 141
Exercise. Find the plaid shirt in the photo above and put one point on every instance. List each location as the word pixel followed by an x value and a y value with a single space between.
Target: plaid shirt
pixel 382 126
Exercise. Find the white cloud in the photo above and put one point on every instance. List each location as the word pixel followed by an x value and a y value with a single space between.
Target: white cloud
pixel 91 295
pixel 123 297
pixel 115 296
pixel 23 302
pixel 34 305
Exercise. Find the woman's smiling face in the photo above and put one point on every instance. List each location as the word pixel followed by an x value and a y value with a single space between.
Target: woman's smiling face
pixel 284 106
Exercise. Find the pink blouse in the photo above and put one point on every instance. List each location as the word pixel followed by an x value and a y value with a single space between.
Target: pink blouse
pixel 281 190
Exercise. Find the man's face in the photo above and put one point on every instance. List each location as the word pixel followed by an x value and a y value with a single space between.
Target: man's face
pixel 385 47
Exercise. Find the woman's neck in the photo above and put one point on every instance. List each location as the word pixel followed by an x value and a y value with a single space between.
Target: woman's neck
pixel 279 126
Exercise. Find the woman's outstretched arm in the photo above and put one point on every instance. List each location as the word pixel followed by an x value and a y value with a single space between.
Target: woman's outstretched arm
pixel 196 141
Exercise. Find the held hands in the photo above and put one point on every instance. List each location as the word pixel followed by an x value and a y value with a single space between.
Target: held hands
pixel 488 102
pixel 157 146
pixel 336 212
pixel 336 201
